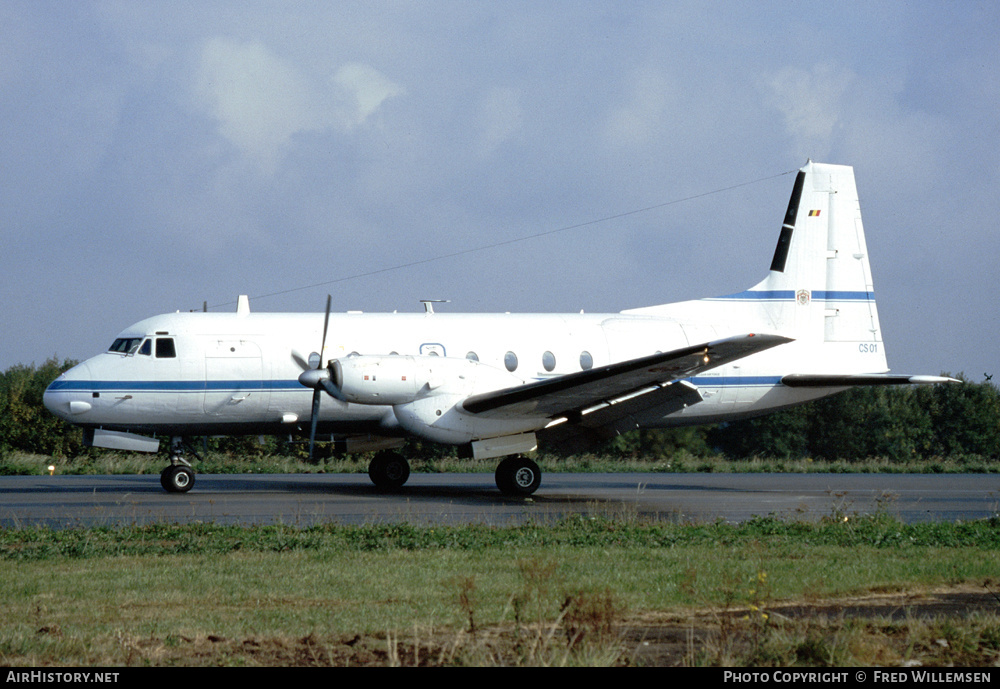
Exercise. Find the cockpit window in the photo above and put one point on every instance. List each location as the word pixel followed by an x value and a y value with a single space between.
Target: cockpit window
pixel 165 348
pixel 125 345
pixel 147 348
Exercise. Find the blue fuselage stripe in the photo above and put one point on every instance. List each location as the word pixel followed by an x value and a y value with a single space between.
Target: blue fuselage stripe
pixel 172 385
pixel 196 386
pixel 734 381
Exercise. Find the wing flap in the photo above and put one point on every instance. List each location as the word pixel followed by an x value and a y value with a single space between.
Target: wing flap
pixel 603 422
pixel 575 392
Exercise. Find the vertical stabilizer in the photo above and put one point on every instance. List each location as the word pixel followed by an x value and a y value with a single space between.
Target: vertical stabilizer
pixel 819 289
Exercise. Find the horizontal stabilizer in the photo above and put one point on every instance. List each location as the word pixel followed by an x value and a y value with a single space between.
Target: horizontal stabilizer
pixel 812 380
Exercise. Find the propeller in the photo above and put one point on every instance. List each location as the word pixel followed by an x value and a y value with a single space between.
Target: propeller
pixel 318 378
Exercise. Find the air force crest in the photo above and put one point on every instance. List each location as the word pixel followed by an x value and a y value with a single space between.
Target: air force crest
pixel 802 297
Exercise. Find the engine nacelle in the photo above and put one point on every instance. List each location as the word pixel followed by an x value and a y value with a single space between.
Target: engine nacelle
pixel 394 379
pixel 441 418
pixel 426 393
pixel 377 379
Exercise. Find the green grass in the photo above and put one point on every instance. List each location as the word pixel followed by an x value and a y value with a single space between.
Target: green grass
pixel 878 531
pixel 108 596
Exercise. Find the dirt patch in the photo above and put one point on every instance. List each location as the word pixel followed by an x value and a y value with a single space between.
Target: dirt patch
pixel 887 629
pixel 671 640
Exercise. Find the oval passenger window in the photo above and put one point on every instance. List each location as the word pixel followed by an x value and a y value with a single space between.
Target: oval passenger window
pixel 548 361
pixel 510 361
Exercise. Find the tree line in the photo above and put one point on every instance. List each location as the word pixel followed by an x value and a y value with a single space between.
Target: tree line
pixel 893 423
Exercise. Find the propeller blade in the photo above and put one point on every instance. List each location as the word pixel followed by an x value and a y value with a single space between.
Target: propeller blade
pixel 306 362
pixel 302 362
pixel 318 384
pixel 326 325
pixel 332 389
pixel 313 422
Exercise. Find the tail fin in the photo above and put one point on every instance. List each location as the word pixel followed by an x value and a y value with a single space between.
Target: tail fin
pixel 819 289
pixel 819 292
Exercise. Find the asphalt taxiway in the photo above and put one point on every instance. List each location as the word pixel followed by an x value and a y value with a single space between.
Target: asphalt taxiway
pixel 309 499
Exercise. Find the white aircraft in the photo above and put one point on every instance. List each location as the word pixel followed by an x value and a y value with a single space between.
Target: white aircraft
pixel 501 385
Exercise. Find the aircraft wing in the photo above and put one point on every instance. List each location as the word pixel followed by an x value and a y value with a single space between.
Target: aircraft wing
pixel 638 382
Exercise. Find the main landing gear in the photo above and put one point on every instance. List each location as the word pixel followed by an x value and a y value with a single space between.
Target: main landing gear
pixel 179 476
pixel 515 476
pixel 518 476
pixel 388 470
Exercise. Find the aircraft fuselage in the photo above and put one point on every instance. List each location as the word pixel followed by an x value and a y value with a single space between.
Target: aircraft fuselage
pixel 231 374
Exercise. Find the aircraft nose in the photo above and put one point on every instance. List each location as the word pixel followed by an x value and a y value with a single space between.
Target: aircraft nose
pixel 66 396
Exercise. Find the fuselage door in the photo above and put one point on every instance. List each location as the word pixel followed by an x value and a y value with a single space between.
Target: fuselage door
pixel 178 372
pixel 234 379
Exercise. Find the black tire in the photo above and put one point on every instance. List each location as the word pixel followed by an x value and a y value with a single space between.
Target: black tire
pixel 177 478
pixel 518 476
pixel 389 470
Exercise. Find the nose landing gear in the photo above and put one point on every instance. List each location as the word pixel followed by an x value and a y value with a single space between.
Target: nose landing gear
pixel 179 476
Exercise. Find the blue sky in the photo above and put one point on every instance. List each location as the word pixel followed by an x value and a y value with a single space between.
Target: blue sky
pixel 159 155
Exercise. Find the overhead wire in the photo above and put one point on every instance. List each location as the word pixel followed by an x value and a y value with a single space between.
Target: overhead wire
pixel 515 240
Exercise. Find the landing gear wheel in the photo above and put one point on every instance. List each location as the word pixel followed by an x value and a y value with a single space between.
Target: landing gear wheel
pixel 177 478
pixel 389 470
pixel 518 476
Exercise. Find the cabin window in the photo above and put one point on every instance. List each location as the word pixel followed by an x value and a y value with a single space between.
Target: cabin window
pixel 165 348
pixel 586 361
pixel 472 356
pixel 548 361
pixel 510 361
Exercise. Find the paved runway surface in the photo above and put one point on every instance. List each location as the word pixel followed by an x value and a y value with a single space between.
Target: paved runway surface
pixel 304 500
